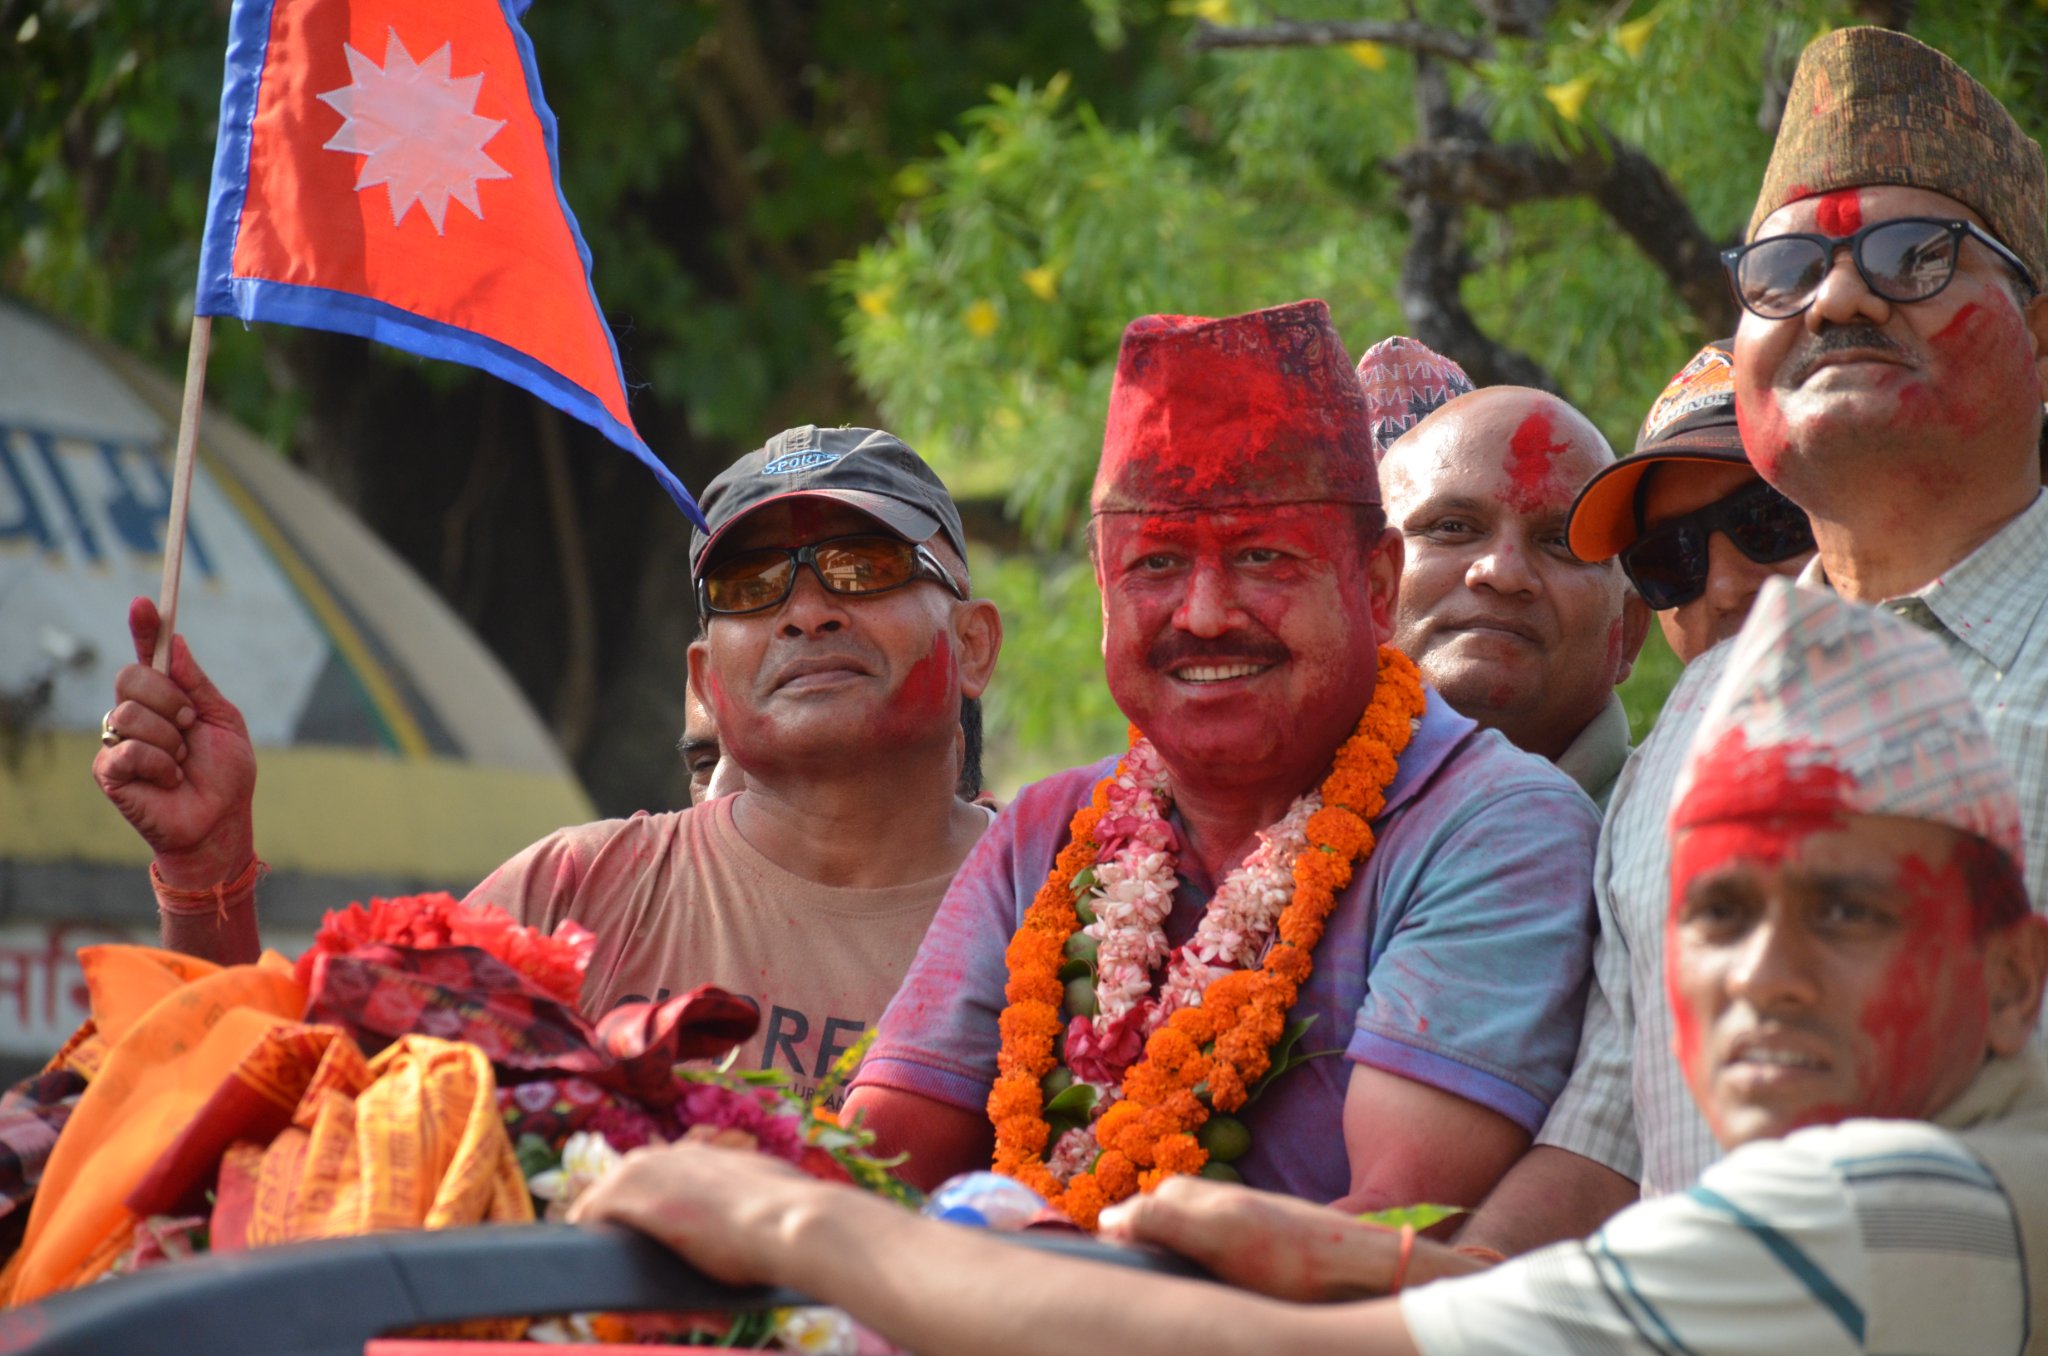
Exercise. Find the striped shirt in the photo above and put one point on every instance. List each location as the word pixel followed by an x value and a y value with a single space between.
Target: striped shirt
pixel 1867 1236
pixel 1626 1105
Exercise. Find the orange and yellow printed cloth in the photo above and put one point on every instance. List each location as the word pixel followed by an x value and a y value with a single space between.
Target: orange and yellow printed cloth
pixel 195 1067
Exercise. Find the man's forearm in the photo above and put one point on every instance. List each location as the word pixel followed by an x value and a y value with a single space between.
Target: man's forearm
pixel 940 1140
pixel 937 1288
pixel 1551 1194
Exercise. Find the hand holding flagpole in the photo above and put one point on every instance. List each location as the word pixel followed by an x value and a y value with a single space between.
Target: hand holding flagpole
pixel 181 488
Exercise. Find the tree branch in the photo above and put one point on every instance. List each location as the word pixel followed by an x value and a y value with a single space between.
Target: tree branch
pixel 1520 17
pixel 1431 287
pixel 1479 173
pixel 1433 304
pixel 1648 207
pixel 1423 39
pixel 1629 186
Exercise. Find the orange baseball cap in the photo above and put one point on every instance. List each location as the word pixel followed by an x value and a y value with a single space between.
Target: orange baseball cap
pixel 1693 420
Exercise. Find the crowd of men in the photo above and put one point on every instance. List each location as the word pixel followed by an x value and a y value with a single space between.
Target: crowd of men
pixel 1725 1043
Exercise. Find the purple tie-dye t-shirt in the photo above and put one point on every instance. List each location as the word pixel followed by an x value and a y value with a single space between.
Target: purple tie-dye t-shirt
pixel 1458 957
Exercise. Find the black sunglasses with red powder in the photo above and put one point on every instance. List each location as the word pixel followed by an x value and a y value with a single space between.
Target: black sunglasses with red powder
pixel 1904 259
pixel 1668 564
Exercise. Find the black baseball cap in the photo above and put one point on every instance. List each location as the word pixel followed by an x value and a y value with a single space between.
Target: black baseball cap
pixel 864 468
pixel 1692 420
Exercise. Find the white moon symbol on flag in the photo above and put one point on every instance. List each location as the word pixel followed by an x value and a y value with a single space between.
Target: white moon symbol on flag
pixel 417 129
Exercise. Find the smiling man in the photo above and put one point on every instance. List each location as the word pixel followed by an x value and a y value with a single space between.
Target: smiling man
pixel 840 638
pixel 1512 628
pixel 1888 376
pixel 1226 874
pixel 1856 975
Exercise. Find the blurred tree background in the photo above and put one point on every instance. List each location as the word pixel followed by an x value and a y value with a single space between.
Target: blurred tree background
pixel 938 215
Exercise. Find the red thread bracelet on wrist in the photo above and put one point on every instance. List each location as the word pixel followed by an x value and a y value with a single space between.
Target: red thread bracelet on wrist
pixel 1401 1262
pixel 214 898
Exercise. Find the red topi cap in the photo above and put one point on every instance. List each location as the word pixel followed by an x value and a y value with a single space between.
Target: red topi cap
pixel 1247 411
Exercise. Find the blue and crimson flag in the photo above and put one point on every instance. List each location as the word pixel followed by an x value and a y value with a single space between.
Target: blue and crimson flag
pixel 387 168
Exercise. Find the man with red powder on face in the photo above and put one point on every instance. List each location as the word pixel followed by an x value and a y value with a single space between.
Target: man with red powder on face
pixel 1512 628
pixel 1856 975
pixel 1286 826
pixel 1888 380
pixel 840 640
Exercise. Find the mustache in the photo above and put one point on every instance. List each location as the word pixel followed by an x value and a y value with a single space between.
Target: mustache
pixel 1842 339
pixel 1240 646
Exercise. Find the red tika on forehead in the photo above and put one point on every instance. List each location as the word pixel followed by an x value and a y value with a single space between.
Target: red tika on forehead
pixel 1732 781
pixel 1246 411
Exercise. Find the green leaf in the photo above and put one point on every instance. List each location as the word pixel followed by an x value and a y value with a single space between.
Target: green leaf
pixel 1078 1100
pixel 535 1156
pixel 1414 1216
pixel 1287 1056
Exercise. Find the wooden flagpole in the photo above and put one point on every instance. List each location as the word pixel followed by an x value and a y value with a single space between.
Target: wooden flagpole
pixel 181 488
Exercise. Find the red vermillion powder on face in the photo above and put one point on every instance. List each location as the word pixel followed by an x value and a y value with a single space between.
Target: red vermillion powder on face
pixel 1840 212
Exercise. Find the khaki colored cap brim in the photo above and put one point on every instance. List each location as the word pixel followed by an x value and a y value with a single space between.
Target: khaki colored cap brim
pixel 1603 517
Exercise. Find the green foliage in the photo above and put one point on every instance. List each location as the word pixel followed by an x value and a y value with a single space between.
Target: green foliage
pixel 1287 1056
pixel 984 322
pixel 1656 673
pixel 1049 697
pixel 719 156
pixel 966 204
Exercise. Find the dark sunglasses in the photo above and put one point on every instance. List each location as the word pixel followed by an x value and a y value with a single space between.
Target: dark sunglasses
pixel 1904 259
pixel 1668 564
pixel 754 581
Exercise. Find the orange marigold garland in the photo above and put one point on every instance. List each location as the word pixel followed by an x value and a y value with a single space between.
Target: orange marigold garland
pixel 1224 1043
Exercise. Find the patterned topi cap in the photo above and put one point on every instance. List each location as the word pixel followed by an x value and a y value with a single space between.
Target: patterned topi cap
pixel 1692 419
pixel 1405 379
pixel 1249 411
pixel 1826 704
pixel 1871 106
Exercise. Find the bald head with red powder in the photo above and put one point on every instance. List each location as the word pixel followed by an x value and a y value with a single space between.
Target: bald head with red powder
pixel 1512 628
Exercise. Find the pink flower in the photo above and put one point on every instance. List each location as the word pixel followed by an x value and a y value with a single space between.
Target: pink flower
pixel 1116 833
pixel 624 1126
pixel 1074 1154
pixel 756 1111
pixel 1100 1051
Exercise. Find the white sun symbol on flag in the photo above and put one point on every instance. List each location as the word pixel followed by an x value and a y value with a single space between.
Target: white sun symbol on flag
pixel 417 129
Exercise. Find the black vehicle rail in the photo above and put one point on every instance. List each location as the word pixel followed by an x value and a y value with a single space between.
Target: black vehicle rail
pixel 331 1298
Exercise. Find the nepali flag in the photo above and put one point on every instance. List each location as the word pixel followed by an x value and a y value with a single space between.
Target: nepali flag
pixel 387 168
